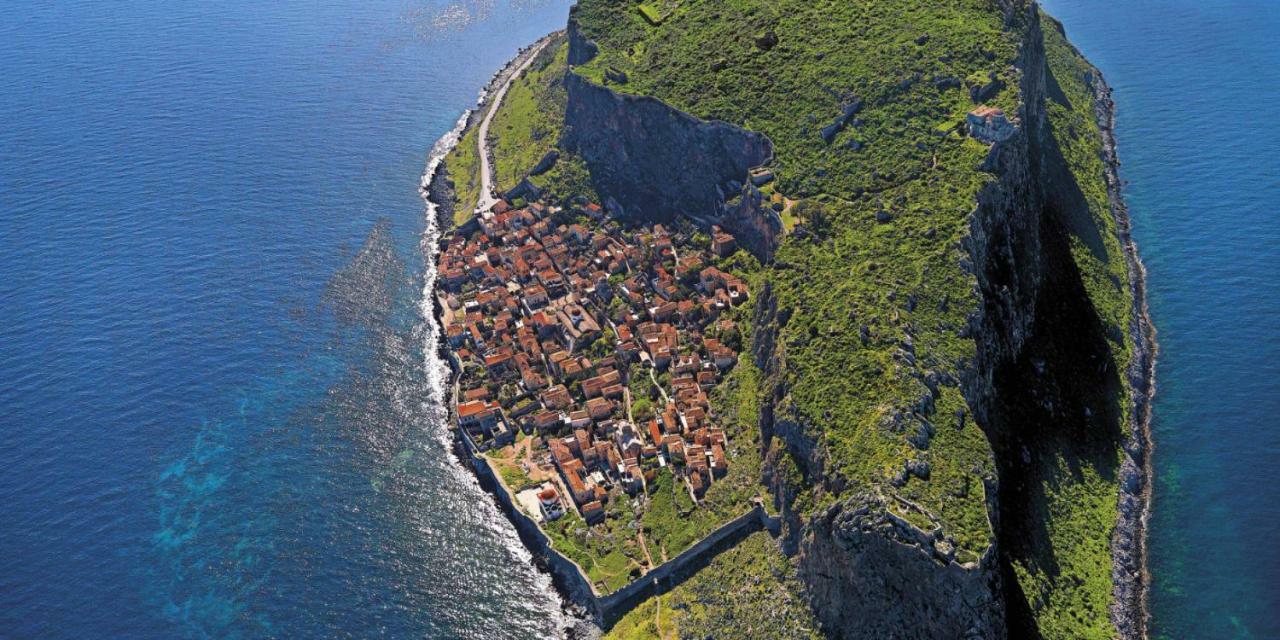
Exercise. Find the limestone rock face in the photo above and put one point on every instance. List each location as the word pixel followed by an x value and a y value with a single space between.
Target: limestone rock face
pixel 750 219
pixel 581 50
pixel 654 162
pixel 882 577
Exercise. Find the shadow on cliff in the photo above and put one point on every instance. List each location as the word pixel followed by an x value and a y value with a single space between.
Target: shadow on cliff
pixel 1057 406
pixel 1060 186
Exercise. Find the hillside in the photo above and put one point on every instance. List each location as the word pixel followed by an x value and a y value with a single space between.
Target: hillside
pixel 951 367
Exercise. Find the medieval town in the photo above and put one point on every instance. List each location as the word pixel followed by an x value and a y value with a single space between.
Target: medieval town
pixel 591 347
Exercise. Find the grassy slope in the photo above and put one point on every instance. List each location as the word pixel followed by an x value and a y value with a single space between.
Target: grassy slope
pixel 747 591
pixel 463 163
pixel 528 124
pixel 1079 495
pixel 703 59
pixel 898 280
pixel 609 552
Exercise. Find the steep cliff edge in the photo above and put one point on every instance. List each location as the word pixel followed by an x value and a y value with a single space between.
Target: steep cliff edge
pixel 955 359
pixel 653 162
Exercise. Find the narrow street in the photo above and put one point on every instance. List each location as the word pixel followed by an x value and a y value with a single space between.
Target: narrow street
pixel 487 196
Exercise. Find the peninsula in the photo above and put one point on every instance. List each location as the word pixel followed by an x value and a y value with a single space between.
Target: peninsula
pixel 806 320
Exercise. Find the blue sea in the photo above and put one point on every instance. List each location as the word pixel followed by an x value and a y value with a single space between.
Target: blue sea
pixel 220 409
pixel 1197 87
pixel 219 406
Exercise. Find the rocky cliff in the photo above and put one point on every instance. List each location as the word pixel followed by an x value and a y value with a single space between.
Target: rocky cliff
pixel 1054 369
pixel 872 573
pixel 653 161
pixel 1043 365
pixel 650 161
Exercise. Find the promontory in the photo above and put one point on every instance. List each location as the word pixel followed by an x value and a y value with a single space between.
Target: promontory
pixel 782 318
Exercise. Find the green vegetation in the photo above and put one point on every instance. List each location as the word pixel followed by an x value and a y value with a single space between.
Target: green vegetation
pixel 1094 244
pixel 1066 573
pixel 877 210
pixel 824 57
pixel 1080 510
pixel 608 552
pixel 665 521
pixel 651 13
pixel 514 477
pixel 883 200
pixel 672 523
pixel 527 125
pixel 748 591
pixel 463 163
pixel 668 525
pixel 900 70
pixel 848 363
pixel 568 179
pixel 504 463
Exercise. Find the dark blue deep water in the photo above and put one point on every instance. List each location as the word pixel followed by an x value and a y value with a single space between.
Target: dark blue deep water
pixel 219 410
pixel 1198 90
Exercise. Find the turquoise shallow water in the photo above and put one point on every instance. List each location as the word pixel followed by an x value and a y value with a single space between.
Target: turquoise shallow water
pixel 1197 85
pixel 219 410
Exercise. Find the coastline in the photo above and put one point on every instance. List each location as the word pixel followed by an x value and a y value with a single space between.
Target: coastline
pixel 585 605
pixel 436 190
pixel 1130 577
pixel 1131 581
pixel 436 187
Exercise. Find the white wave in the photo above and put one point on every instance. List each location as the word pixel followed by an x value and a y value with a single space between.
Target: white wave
pixel 438 374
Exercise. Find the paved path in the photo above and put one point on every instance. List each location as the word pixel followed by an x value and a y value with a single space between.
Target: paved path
pixel 487 198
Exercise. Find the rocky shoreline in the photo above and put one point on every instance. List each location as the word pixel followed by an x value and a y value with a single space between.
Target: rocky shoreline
pixel 1131 580
pixel 438 188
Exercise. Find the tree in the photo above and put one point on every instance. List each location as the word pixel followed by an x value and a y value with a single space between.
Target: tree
pixel 814 215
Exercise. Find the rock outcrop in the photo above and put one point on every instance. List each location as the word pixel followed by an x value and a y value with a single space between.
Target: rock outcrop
pixel 886 578
pixel 654 162
pixel 870 572
pixel 581 50
pixel 751 220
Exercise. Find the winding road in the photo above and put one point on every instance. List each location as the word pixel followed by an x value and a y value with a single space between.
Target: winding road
pixel 487 198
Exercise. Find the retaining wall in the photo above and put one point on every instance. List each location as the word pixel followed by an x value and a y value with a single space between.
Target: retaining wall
pixel 672 572
pixel 571 578
pixel 567 575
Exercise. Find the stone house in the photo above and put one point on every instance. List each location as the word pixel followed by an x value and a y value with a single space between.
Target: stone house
pixel 989 124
